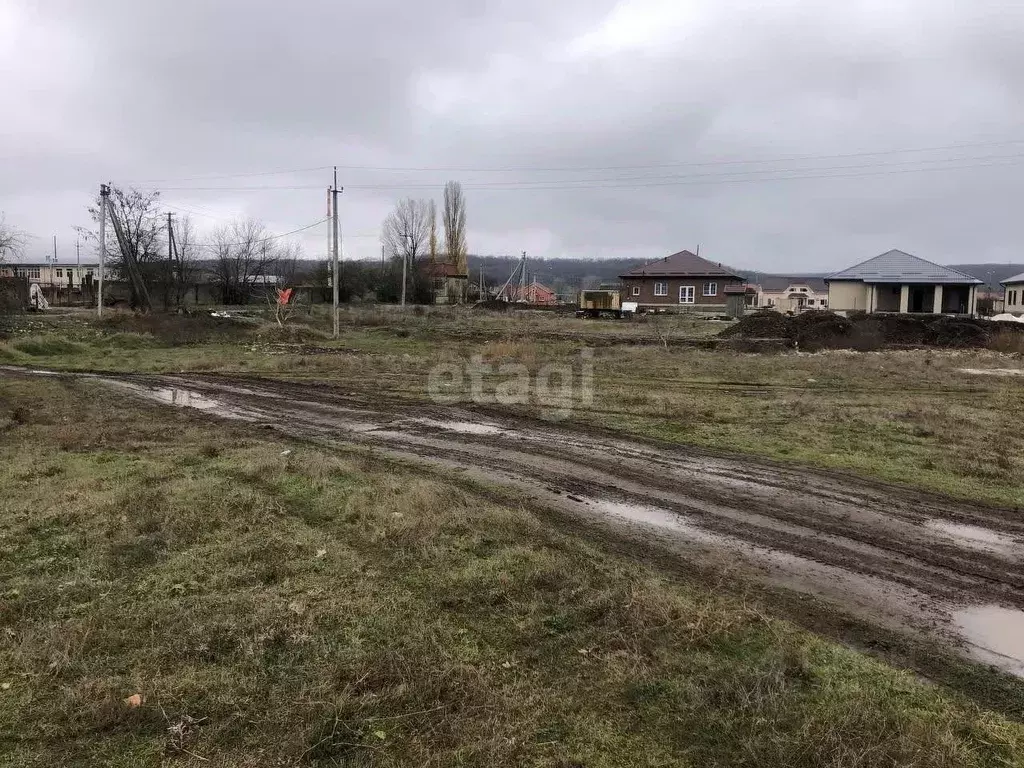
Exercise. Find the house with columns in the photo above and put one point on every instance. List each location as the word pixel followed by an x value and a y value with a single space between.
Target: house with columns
pixel 896 281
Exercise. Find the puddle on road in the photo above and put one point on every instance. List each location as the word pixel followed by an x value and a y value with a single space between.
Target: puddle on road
pixel 996 635
pixel 464 427
pixel 661 518
pixel 993 371
pixel 974 536
pixel 183 398
pixel 187 398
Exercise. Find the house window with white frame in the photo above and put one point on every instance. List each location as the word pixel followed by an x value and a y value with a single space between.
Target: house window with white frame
pixel 636 290
pixel 710 289
pixel 661 289
pixel 686 293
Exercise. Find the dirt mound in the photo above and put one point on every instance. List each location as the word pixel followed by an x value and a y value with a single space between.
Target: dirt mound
pixel 761 325
pixel 820 330
pixel 826 330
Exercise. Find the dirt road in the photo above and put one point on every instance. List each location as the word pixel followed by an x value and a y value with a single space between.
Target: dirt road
pixel 916 564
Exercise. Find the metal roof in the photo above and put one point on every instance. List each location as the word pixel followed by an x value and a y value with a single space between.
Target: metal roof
pixel 779 283
pixel 682 264
pixel 1015 279
pixel 899 267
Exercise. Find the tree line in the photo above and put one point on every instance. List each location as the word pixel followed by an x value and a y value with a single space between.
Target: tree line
pixel 240 258
pixel 410 230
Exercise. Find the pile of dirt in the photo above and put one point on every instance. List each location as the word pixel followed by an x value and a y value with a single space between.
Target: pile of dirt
pixel 760 325
pixel 812 331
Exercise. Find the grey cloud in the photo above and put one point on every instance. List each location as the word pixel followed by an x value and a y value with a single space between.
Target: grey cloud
pixel 174 90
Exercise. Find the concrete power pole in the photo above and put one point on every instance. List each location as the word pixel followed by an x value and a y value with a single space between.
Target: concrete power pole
pixel 336 272
pixel 172 282
pixel 522 280
pixel 104 194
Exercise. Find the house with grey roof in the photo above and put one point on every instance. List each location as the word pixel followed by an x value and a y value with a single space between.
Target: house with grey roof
pixel 899 282
pixel 1013 294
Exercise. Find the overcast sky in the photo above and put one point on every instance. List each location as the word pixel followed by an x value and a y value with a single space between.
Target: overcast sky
pixel 786 136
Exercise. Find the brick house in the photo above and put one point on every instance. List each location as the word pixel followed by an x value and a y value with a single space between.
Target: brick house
pixel 682 282
pixel 448 285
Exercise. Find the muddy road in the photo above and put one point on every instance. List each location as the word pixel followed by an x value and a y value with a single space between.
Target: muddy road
pixel 914 564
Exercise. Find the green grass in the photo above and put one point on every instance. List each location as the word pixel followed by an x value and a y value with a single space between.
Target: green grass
pixel 330 609
pixel 908 417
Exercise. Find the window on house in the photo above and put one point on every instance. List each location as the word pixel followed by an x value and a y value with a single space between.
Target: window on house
pixel 60 273
pixel 661 289
pixel 32 273
pixel 710 289
pixel 636 290
pixel 686 293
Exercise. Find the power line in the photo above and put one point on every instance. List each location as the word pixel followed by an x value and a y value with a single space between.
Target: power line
pixel 585 169
pixel 658 181
pixel 262 239
pixel 239 189
pixel 778 159
pixel 619 182
pixel 213 177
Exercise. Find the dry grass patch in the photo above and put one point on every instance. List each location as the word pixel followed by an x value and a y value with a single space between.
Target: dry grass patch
pixel 325 610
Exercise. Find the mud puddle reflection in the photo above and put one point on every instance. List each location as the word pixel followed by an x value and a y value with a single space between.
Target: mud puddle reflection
pixel 185 398
pixel 995 634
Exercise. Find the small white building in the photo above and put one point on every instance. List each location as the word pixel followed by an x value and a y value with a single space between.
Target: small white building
pixel 896 281
pixel 792 294
pixel 49 274
pixel 1013 294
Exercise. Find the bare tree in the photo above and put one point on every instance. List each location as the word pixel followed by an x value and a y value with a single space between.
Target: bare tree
pixel 144 231
pixel 432 217
pixel 184 259
pixel 244 257
pixel 410 218
pixel 143 226
pixel 455 225
pixel 12 240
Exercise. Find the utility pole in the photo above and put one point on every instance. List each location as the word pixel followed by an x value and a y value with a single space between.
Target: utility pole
pixel 54 249
pixel 170 259
pixel 170 238
pixel 522 280
pixel 336 294
pixel 104 194
pixel 78 251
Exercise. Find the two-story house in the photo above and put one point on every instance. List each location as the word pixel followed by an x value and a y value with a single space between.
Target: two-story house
pixel 792 294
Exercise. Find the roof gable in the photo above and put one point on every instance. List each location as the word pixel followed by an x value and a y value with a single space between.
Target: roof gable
pixel 899 267
pixel 1015 279
pixel 681 264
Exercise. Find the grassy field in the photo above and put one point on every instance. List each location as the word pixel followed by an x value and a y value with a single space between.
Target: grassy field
pixel 905 416
pixel 188 591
